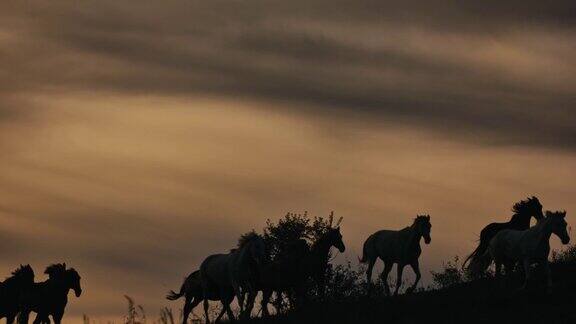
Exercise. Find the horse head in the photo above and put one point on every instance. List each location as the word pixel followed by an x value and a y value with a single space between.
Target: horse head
pixel 68 277
pixel 24 275
pixel 255 246
pixel 423 227
pixel 73 281
pixel 558 225
pixel 333 235
pixel 529 207
pixel 334 238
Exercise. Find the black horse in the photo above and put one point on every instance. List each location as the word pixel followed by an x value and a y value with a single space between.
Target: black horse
pixel 291 276
pixel 11 289
pixel 49 298
pixel 523 210
pixel 194 294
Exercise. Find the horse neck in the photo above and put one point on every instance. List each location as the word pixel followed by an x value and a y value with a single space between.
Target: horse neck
pixel 541 231
pixel 412 237
pixel 321 248
pixel 58 286
pixel 521 220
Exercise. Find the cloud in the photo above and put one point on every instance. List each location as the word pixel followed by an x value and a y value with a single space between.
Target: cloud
pixel 483 73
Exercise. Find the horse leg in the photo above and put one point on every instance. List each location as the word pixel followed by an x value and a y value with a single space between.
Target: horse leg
pixel 10 318
pixel 546 266
pixel 207 317
pixel 526 264
pixel 399 269
pixel 189 305
pixel 416 268
pixel 57 317
pixel 250 302
pixel 226 305
pixel 369 274
pixel 239 296
pixel 23 317
pixel 222 311
pixel 266 295
pixel 39 319
pixel 384 276
pixel 497 269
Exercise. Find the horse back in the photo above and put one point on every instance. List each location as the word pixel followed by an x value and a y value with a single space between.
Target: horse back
pixel 214 270
pixel 386 244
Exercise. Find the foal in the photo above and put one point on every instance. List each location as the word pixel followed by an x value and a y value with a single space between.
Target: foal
pixel 401 247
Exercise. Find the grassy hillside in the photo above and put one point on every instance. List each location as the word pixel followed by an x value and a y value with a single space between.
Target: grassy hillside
pixel 480 301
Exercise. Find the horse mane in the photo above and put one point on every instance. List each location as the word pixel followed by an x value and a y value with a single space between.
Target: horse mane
pixel 23 269
pixel 550 214
pixel 247 238
pixel 522 206
pixel 55 269
pixel 421 218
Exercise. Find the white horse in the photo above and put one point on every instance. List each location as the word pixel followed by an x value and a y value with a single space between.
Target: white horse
pixel 237 271
pixel 401 247
pixel 530 246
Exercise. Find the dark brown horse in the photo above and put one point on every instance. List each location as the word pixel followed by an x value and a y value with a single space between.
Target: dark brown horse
pixel 11 289
pixel 49 298
pixel 523 210
pixel 193 293
pixel 292 276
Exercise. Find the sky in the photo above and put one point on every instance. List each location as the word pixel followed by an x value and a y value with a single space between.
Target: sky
pixel 138 137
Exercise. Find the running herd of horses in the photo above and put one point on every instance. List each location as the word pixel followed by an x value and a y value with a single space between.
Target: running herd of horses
pixel 246 270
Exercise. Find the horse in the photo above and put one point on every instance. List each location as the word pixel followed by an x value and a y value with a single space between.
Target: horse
pixel 49 298
pixel 523 211
pixel 312 264
pixel 401 247
pixel 237 270
pixel 192 290
pixel 282 274
pixel 11 290
pixel 529 246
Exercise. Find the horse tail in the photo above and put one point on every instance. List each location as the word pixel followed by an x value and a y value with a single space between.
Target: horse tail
pixel 471 257
pixel 172 295
pixel 364 258
pixel 479 251
pixel 480 263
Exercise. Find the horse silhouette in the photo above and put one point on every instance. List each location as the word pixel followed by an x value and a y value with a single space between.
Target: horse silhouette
pixel 283 273
pixel 401 247
pixel 529 246
pixel 11 290
pixel 237 270
pixel 49 298
pixel 192 290
pixel 523 210
pixel 302 265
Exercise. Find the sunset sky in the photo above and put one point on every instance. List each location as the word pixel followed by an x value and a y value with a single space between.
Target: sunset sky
pixel 138 137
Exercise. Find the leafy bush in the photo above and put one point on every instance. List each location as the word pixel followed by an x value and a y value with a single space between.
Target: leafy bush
pixel 566 256
pixel 451 274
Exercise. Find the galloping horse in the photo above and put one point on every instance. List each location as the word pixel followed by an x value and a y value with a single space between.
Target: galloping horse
pixel 523 211
pixel 312 264
pixel 237 270
pixel 401 247
pixel 51 296
pixel 11 290
pixel 528 246
pixel 191 289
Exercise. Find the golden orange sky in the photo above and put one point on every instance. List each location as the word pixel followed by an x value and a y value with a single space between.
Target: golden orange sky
pixel 137 138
